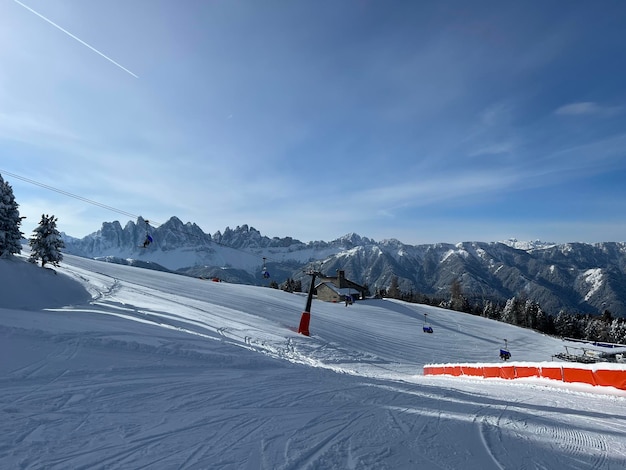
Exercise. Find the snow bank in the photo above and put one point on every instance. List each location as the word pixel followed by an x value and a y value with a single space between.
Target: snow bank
pixel 27 286
pixel 164 371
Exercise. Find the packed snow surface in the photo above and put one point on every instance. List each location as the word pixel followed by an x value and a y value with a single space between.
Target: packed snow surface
pixel 109 366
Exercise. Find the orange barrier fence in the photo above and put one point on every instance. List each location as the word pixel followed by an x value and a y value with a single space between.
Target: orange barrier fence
pixel 593 374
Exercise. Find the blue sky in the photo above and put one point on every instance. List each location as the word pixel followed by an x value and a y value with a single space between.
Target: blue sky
pixel 427 121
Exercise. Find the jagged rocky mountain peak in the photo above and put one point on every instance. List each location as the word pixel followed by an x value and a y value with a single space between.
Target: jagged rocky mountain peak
pixel 577 277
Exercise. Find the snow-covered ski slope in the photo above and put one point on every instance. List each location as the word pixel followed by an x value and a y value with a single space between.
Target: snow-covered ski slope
pixel 169 372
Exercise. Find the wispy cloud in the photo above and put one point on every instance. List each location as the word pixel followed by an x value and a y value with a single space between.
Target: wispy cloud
pixel 493 149
pixel 29 128
pixel 586 108
pixel 435 189
pixel 590 157
pixel 497 114
pixel 76 38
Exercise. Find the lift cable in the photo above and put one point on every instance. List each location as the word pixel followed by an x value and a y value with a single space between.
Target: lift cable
pixel 66 193
pixel 112 209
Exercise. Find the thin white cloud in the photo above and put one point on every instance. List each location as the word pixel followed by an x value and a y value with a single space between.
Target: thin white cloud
pixel 431 190
pixel 497 114
pixel 597 155
pixel 492 149
pixel 586 108
pixel 492 131
pixel 30 128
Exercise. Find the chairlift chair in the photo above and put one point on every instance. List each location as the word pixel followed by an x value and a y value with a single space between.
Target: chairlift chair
pixel 264 271
pixel 148 238
pixel 505 355
pixel 427 328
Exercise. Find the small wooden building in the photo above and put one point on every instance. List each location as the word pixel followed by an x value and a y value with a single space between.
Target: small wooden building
pixel 336 288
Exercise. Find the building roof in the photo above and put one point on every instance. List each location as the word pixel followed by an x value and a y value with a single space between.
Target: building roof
pixel 343 281
pixel 343 291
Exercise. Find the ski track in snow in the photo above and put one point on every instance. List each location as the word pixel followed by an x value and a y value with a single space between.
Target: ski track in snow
pixel 179 373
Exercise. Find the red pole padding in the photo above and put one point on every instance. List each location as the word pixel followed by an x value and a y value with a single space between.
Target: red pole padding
pixel 304 324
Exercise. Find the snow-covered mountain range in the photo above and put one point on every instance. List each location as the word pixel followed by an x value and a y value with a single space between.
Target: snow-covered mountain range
pixel 578 277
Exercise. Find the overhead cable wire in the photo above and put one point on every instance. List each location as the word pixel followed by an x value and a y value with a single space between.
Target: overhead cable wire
pixel 66 193
pixel 114 209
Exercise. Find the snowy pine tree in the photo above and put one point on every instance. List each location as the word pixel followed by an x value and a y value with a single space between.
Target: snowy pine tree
pixel 46 243
pixel 617 331
pixel 490 311
pixel 10 220
pixel 513 312
pixel 596 330
pixel 394 289
pixel 531 314
pixel 458 301
pixel 565 325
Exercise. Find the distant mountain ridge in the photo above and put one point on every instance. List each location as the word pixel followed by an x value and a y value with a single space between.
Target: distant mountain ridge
pixel 578 277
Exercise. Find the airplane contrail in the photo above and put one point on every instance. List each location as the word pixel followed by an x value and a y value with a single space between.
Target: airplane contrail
pixel 74 37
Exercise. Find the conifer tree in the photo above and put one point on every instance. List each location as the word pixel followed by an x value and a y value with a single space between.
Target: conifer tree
pixel 565 325
pixel 490 311
pixel 288 285
pixel 10 220
pixel 394 289
pixel 46 243
pixel 458 301
pixel 617 331
pixel 513 312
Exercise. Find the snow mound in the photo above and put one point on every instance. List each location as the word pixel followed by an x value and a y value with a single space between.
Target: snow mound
pixel 27 286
